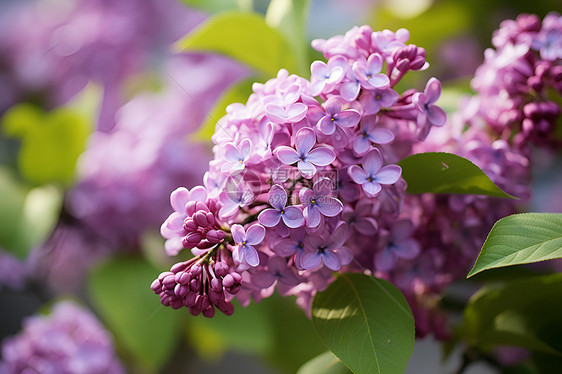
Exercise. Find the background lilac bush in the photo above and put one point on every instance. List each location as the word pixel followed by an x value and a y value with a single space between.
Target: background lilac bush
pixel 103 117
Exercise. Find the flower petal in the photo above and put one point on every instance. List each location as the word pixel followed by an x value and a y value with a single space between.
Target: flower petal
pixel 384 260
pixel 310 260
pixel 407 249
pixel 307 169
pixel 296 112
pixel 371 188
pixel 321 156
pixel 286 155
pixel 389 174
pixel 277 197
pixel 276 113
pixel 238 233
pixel 330 206
pixel 361 144
pixel 432 90
pixel 293 217
pixel 357 174
pixel 231 152
pixel 331 260
pixel 249 255
pixel 378 80
pixel 326 125
pixel 366 225
pixel 381 136
pixel 332 106
pixel 255 234
pixel 372 162
pixel 350 90
pixel 263 279
pixel 348 118
pixel 305 140
pixel 198 193
pixel 179 199
pixel 436 115
pixel 312 216
pixel 269 217
pixel 285 247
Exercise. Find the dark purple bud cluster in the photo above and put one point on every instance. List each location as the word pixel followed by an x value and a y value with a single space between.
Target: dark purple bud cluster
pixel 200 285
pixel 203 230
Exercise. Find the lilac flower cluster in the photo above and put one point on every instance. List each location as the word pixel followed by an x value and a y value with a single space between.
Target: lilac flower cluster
pixel 519 80
pixel 70 340
pixel 298 169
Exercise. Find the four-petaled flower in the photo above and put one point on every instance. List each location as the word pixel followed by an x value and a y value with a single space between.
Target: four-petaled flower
pixel 236 155
pixel 245 253
pixel 399 244
pixel 306 157
pixel 369 72
pixel 317 202
pixel 373 174
pixel 429 114
pixel 336 116
pixel 277 270
pixel 373 101
pixel 325 77
pixel 291 215
pixel 371 133
pixel 327 249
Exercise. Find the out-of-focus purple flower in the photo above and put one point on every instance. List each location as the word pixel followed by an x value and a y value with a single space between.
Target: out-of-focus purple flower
pixel 329 251
pixel 12 271
pixel 70 340
pixel 304 156
pixel 245 253
pixel 276 271
pixel 399 244
pixel 373 174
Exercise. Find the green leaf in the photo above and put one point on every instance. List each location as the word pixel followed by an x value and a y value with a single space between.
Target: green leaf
pixel 524 313
pixel 248 330
pixel 521 239
pixel 289 17
pixel 51 142
pixel 27 216
pixel 366 322
pixel 245 37
pixel 439 172
pixel 326 363
pixel 237 93
pixel 121 294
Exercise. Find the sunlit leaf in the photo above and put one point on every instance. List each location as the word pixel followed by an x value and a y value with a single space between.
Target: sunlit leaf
pixel 366 322
pixel 237 93
pixel 446 173
pixel 246 38
pixel 326 363
pixel 521 239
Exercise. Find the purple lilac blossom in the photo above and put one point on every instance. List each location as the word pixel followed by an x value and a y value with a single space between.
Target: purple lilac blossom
pixel 67 341
pixel 519 81
pixel 289 148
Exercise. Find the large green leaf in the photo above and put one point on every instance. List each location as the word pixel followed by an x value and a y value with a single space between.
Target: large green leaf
pixel 523 313
pixel 51 142
pixel 237 93
pixel 289 17
pixel 521 239
pixel 326 363
pixel 439 172
pixel 142 326
pixel 366 322
pixel 245 37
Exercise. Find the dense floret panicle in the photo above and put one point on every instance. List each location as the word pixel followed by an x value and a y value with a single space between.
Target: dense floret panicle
pixel 299 169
